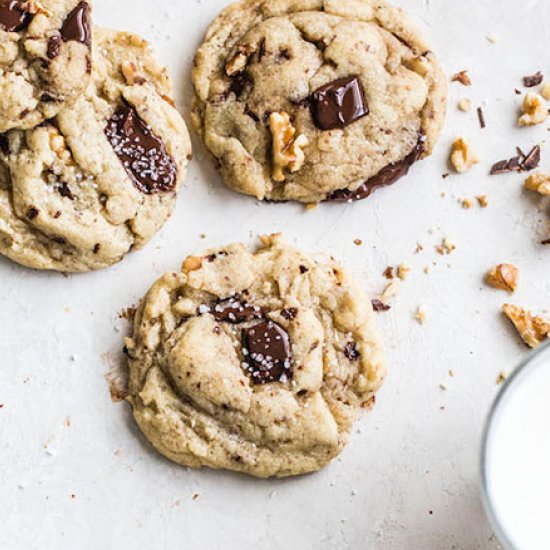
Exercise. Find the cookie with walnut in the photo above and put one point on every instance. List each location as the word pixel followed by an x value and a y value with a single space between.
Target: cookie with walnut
pixel 45 58
pixel 100 179
pixel 314 100
pixel 256 362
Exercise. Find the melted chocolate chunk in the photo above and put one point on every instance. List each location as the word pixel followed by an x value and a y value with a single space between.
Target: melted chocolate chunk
pixel 267 353
pixel 13 16
pixel 338 103
pixel 289 313
pixel 77 25
pixel 388 175
pixel 54 46
pixel 351 352
pixel 520 163
pixel 4 144
pixel 142 154
pixel 235 310
pixel 32 213
pixel 65 191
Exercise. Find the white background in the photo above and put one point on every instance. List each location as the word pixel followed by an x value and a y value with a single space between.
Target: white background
pixel 409 478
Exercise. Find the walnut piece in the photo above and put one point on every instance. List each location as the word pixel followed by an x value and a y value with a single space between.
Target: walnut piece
pixel 465 104
pixel 287 149
pixel 463 157
pixel 483 201
pixel 58 145
pixel 534 110
pixel 463 77
pixel 130 73
pixel 534 330
pixel 192 263
pixel 445 248
pixel 239 61
pixel 538 182
pixel 503 277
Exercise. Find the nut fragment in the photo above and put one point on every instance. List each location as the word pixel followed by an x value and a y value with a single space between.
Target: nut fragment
pixel 287 150
pixel 463 157
pixel 58 145
pixel 403 271
pixel 534 330
pixel 192 263
pixel 467 203
pixel 33 7
pixel 463 77
pixel 483 201
pixel 238 62
pixel 503 277
pixel 534 110
pixel 446 247
pixel 130 73
pixel 538 182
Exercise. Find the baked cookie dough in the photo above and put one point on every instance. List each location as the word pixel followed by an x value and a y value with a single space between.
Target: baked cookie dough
pixel 313 100
pixel 45 58
pixel 101 178
pixel 253 362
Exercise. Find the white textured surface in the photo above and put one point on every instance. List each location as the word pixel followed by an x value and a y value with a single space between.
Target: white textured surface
pixel 408 457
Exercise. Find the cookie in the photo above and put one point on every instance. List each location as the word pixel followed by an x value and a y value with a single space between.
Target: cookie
pixel 101 178
pixel 45 58
pixel 314 100
pixel 253 362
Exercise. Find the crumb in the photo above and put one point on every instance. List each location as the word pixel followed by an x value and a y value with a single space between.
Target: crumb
pixel 539 182
pixel 451 373
pixel 483 201
pixel 445 248
pixel 358 242
pixel 195 496
pixel 463 157
pixel 501 378
pixel 403 271
pixel 67 421
pixel 463 77
pixel 503 277
pixel 420 315
pixel 442 387
pixel 445 176
pixel 467 203
pixel 427 269
pixel 311 206
pixel 465 104
pixel 128 314
pixel 388 272
pixel 534 110
pixel 534 330
pixel 202 236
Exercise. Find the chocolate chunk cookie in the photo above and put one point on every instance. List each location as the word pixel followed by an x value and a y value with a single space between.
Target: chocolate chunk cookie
pixel 253 362
pixel 82 190
pixel 314 100
pixel 45 58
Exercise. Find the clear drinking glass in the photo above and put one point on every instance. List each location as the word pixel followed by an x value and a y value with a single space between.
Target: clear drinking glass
pixel 515 461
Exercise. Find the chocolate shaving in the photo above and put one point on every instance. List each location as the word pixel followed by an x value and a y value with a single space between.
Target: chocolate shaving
pixel 378 305
pixel 533 80
pixel 520 163
pixel 463 77
pixel 481 118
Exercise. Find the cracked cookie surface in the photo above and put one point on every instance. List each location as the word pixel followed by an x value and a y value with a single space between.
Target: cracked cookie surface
pixel 45 58
pixel 82 190
pixel 364 95
pixel 253 362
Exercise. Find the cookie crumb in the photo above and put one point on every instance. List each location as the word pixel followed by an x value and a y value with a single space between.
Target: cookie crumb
pixel 503 277
pixel 483 201
pixel 465 105
pixel 378 306
pixel 467 203
pixel 403 271
pixel 463 157
pixel 501 378
pixel 358 242
pixel 391 290
pixel 388 272
pixel 311 206
pixel 534 110
pixel 545 91
pixel 195 496
pixel 420 315
pixel 533 329
pixel 539 182
pixel 446 247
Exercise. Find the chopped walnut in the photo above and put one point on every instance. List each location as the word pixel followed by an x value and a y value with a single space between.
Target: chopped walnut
pixel 534 330
pixel 192 263
pixel 483 201
pixel 534 110
pixel 445 248
pixel 287 149
pixel 130 73
pixel 465 104
pixel 503 277
pixel 239 61
pixel 463 77
pixel 59 145
pixel 467 203
pixel 403 271
pixel 33 7
pixel 463 157
pixel 538 182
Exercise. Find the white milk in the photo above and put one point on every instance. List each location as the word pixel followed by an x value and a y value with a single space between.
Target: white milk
pixel 517 462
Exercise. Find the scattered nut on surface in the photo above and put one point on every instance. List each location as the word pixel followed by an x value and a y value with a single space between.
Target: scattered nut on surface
pixel 503 277
pixel 538 182
pixel 534 330
pixel 545 91
pixel 445 248
pixel 287 149
pixel 238 62
pixel 483 201
pixel 463 77
pixel 463 157
pixel 465 104
pixel 130 73
pixel 391 290
pixel 534 110
pixel 192 263
pixel 58 145
pixel 467 203
pixel 501 378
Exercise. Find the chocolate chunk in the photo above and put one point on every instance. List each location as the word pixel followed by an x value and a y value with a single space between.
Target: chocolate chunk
pixel 289 313
pixel 378 305
pixel 32 213
pixel 46 97
pixel 142 154
pixel 533 80
pixel 303 269
pixel 481 118
pixel 520 163
pixel 235 310
pixel 338 103
pixel 4 144
pixel 54 46
pixel 267 353
pixel 13 16
pixel 77 25
pixel 388 175
pixel 65 191
pixel 351 352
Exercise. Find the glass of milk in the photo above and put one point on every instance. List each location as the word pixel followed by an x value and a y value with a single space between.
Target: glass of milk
pixel 515 464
